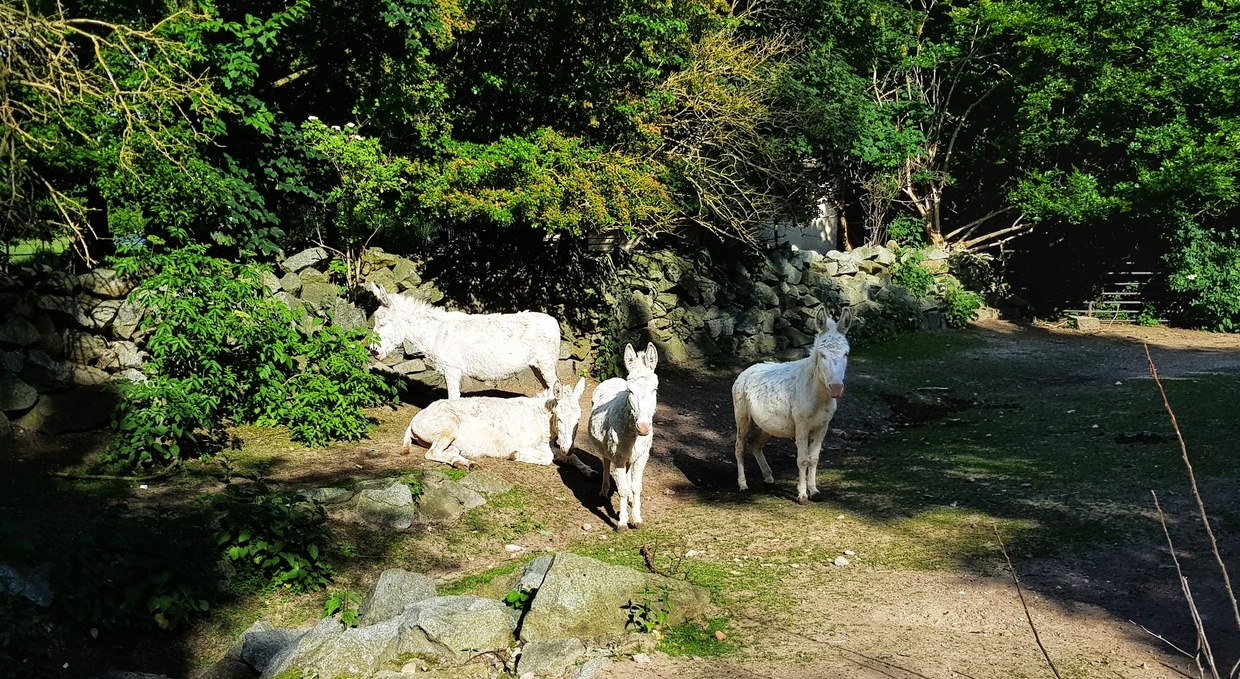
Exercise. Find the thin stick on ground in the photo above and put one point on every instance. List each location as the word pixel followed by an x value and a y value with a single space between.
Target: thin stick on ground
pixel 1020 591
pixel 1201 507
pixel 1203 643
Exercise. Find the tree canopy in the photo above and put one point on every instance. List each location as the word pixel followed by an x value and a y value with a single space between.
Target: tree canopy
pixel 1050 127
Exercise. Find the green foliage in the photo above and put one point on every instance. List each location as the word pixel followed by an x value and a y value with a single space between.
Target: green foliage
pixel 273 539
pixel 346 603
pixel 692 640
pixel 518 599
pixel 961 304
pixel 1205 269
pixel 911 272
pixel 649 612
pixel 223 350
pixel 550 181
pixel 897 313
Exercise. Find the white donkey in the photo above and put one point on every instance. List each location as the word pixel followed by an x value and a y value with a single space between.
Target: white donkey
pixel 523 428
pixel 622 431
pixel 794 400
pixel 481 346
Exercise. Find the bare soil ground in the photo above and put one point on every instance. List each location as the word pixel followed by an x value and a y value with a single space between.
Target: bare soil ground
pixel 792 612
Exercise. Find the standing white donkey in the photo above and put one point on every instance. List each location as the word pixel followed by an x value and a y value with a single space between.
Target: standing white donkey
pixel 523 428
pixel 794 400
pixel 457 344
pixel 622 430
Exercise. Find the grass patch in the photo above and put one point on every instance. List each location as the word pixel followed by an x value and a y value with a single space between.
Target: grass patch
pixel 695 640
pixel 471 582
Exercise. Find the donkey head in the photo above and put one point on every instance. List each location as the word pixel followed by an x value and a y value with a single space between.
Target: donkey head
pixel 566 413
pixel 387 324
pixel 643 385
pixel 830 350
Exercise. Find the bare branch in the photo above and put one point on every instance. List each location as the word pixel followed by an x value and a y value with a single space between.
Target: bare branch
pixel 1021 593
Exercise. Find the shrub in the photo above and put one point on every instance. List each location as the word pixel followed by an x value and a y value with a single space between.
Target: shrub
pixel 912 274
pixel 223 349
pixel 273 539
pixel 961 304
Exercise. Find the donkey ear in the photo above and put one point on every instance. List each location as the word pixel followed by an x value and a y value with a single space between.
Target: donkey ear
pixel 820 321
pixel 630 357
pixel 845 322
pixel 380 294
pixel 580 388
pixel 652 356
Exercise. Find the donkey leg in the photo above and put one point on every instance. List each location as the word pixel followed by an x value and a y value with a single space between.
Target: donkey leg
pixel 605 491
pixel 743 424
pixel 452 380
pixel 407 444
pixel 815 448
pixel 534 455
pixel 624 490
pixel 571 458
pixel 546 371
pixel 759 439
pixel 802 437
pixel 635 486
pixel 443 451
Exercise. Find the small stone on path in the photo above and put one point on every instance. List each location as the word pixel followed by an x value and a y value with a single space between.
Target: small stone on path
pixel 513 549
pixel 841 561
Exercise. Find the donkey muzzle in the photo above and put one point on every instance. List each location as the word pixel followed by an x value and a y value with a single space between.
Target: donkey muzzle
pixel 836 390
pixel 643 429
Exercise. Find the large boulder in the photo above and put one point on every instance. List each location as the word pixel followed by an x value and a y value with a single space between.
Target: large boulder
pixel 304 259
pixel 443 499
pixel 331 650
pixel 261 643
pixel 19 332
pixel 76 410
pixel 394 591
pixel 550 657
pixel 106 283
pixel 452 629
pixel 587 599
pixel 16 395
pixel 390 505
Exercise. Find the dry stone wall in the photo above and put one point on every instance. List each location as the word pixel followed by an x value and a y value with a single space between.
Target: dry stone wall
pixel 66 339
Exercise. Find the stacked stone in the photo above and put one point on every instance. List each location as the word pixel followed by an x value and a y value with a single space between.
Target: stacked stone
pixel 696 311
pixel 65 340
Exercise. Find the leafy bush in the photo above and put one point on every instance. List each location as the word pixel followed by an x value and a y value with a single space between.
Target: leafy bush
pixel 1205 275
pixel 896 313
pixel 911 272
pixel 223 349
pixel 273 539
pixel 961 304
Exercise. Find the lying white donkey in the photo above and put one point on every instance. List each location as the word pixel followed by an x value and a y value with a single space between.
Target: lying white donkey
pixel 521 428
pixel 793 400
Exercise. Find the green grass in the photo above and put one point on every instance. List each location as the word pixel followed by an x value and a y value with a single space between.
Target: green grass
pixel 696 640
pixel 33 250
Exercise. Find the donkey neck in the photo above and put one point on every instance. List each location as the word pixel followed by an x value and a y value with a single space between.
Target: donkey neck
pixel 811 378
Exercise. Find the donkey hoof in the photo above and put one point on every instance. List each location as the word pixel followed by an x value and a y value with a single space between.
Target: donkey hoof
pixel 621 527
pixel 803 500
pixel 768 479
pixel 637 525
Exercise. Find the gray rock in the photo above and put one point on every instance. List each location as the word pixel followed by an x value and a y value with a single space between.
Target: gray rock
pixel 15 394
pixel 269 281
pixel 289 300
pixel 46 373
pixel 327 496
pixel 318 293
pixel 719 327
pixel 443 499
pixel 61 282
pixel 121 355
pixel 28 583
pixel 765 294
pixel 290 283
pixel 18 332
pixel 394 591
pixel 313 276
pixel 587 599
pixel 329 650
pixel 259 645
pixel 391 506
pixel 129 375
pixel 550 657
pixel 65 308
pixel 346 315
pixel 12 361
pixel 452 629
pixel 1086 323
pixel 6 427
pixel 103 313
pixel 413 365
pixel 485 483
pixel 82 347
pixel 123 674
pixel 405 271
pixel 376 258
pixel 77 410
pixel 595 668
pixel 128 318
pixel 88 376
pixel 106 283
pixel 534 574
pixel 383 278
pixel 304 259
